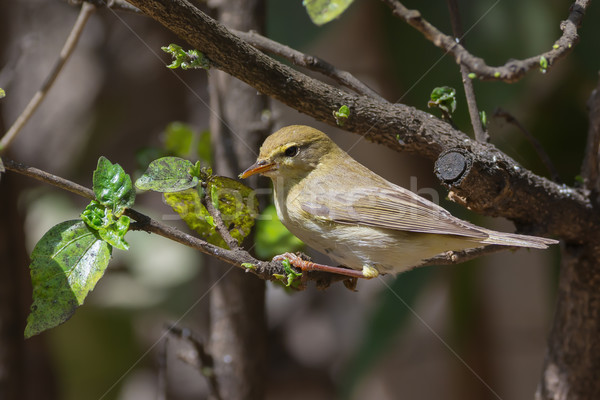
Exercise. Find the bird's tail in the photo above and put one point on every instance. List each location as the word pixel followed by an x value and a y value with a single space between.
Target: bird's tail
pixel 513 239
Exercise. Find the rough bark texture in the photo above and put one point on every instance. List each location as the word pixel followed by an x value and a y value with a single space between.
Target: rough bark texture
pixel 238 326
pixel 572 365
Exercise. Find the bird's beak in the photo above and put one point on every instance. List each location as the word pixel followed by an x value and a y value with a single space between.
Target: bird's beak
pixel 258 167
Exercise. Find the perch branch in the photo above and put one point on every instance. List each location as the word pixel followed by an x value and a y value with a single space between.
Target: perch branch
pixel 263 269
pixel 513 70
pixel 480 134
pixel 497 185
pixel 307 61
pixel 86 11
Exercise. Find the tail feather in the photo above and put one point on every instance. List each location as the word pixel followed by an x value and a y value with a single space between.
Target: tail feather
pixel 513 239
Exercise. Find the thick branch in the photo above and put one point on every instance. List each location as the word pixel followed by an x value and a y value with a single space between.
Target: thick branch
pixel 513 70
pixel 307 61
pixel 497 185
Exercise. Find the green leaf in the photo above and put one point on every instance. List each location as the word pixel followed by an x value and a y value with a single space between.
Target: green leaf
pixel 112 186
pixel 167 174
pixel 114 233
pixel 179 138
pixel 543 64
pixel 483 119
pixel 186 59
pixel 443 98
pixel 102 219
pixel 66 264
pixel 235 201
pixel 272 237
pixel 323 11
pixel 2 93
pixel 341 115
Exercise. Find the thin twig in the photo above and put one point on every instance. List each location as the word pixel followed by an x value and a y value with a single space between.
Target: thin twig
pixel 238 257
pixel 499 112
pixel 512 70
pixel 457 257
pixel 207 201
pixel 307 61
pixel 480 134
pixel 202 360
pixel 84 14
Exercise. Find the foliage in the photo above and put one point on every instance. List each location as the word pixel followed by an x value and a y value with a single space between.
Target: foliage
pixel 323 11
pixel 341 115
pixel 72 256
pixel 66 264
pixel 168 174
pixel 190 59
pixel 443 98
pixel 235 202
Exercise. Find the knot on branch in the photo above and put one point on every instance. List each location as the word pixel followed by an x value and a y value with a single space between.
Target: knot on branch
pixel 453 165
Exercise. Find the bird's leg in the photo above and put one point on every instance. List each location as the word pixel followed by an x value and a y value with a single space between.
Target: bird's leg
pixel 304 265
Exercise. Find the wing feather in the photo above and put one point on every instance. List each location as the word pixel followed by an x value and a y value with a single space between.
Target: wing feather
pixel 393 208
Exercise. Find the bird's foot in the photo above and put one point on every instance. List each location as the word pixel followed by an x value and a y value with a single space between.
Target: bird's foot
pixel 367 272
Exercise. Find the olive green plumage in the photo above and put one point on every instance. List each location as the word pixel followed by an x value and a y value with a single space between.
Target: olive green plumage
pixel 341 208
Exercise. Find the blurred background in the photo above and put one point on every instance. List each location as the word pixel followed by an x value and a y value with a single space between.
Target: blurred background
pixel 475 330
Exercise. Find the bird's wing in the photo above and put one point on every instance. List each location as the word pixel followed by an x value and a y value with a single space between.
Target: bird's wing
pixel 390 208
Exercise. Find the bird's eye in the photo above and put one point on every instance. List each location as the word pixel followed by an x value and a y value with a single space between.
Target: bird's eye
pixel 291 151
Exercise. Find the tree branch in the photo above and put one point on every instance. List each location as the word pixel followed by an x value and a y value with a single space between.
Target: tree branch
pixel 307 61
pixel 238 256
pixel 480 134
pixel 513 70
pixel 496 185
pixel 86 11
pixel 457 257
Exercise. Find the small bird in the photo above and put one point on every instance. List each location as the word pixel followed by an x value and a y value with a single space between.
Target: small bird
pixel 360 220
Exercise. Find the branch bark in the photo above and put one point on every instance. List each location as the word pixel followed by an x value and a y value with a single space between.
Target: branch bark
pixel 513 70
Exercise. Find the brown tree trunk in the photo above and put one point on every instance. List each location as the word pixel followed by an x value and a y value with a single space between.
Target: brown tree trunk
pixel 21 362
pixel 238 326
pixel 572 365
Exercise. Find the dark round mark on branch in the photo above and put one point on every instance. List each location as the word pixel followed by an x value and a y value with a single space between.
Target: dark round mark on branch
pixel 452 166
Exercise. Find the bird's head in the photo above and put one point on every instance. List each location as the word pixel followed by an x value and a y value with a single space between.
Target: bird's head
pixel 292 152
